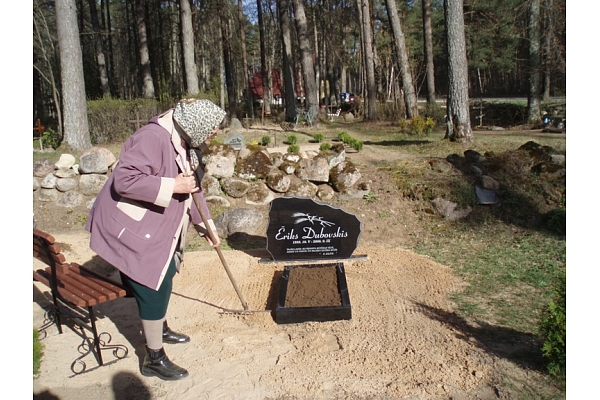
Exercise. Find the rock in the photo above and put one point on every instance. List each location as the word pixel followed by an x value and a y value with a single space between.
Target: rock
pixel 43 167
pixel 218 201
pixel 440 165
pixel 46 195
pixel 485 196
pixel 95 163
pixel 473 156
pixel 235 187
pixel 333 157
pixel 259 194
pixel 70 199
pixel 278 181
pixel 91 184
pixel 447 209
pixel 239 220
pixel 314 170
pixel 325 192
pixel 65 173
pixel 235 125
pixel 255 166
pixel 66 161
pixel 36 183
pixel 49 181
pixel 489 183
pixel 301 188
pixel 66 184
pixel 110 157
pixel 476 170
pixel 288 167
pixel 219 166
pixel 223 150
pixel 343 176
pixel 210 185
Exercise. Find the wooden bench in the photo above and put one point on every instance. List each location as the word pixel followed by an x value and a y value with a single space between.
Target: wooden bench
pixel 75 292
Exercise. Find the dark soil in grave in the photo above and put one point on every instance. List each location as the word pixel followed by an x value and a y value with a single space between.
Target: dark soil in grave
pixel 313 286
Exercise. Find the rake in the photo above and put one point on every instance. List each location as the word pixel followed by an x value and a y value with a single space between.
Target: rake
pixel 212 236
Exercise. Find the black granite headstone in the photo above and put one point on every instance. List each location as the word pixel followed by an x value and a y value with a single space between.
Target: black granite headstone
pixel 304 229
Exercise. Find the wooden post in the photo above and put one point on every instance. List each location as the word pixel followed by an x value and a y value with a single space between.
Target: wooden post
pixel 40 129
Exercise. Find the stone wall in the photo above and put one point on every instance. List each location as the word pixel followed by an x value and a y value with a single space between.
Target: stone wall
pixel 252 174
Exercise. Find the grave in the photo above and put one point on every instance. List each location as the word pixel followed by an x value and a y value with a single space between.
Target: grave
pixel 320 237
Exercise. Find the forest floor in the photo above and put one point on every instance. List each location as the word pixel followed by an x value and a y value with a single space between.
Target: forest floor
pixel 405 339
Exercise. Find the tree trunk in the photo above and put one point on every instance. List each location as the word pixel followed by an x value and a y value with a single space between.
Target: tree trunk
pixel 534 115
pixel 266 106
pixel 410 97
pixel 306 56
pixel 41 26
pixel 146 72
pixel 288 63
pixel 247 76
pixel 76 127
pixel 458 120
pixel 189 59
pixel 228 65
pixel 428 49
pixel 371 98
pixel 100 58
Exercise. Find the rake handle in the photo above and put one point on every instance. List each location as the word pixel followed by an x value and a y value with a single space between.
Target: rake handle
pixel 212 237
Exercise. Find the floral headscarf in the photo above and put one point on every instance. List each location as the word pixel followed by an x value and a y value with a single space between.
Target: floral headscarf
pixel 197 118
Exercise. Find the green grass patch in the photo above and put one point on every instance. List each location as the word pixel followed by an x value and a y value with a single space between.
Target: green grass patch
pixel 509 271
pixel 38 349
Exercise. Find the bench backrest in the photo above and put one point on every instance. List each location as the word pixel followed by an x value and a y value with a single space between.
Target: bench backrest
pixel 47 250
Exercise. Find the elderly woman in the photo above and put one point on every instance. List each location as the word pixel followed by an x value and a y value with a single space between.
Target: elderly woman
pixel 141 216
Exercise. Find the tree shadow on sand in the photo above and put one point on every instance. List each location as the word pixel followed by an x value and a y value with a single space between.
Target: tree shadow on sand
pixel 521 348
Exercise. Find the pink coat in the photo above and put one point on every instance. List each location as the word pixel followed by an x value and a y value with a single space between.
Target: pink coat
pixel 136 220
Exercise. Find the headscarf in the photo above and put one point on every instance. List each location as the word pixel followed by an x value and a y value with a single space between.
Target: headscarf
pixel 197 118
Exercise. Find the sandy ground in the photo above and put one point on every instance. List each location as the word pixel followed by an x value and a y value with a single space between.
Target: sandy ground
pixel 396 345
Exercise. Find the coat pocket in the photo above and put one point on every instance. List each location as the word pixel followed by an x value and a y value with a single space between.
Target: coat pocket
pixel 132 208
pixel 137 244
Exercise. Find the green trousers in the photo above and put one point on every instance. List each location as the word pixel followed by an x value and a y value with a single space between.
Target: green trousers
pixel 152 304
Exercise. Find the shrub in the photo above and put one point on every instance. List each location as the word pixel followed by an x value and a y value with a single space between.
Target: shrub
pixel 293 148
pixel 429 125
pixel 292 139
pixel 110 119
pixel 50 138
pixel 356 144
pixel 324 146
pixel 265 140
pixel 417 125
pixel 344 137
pixel 553 328
pixel 319 137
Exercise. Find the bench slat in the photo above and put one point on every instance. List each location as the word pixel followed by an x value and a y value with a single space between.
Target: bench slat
pixel 92 285
pixel 105 283
pixel 80 286
pixel 42 276
pixel 55 253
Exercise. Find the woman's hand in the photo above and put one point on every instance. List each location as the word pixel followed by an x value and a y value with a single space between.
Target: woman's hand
pixel 185 184
pixel 217 238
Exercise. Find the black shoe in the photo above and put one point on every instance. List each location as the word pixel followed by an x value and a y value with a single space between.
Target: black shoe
pixel 156 363
pixel 169 336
